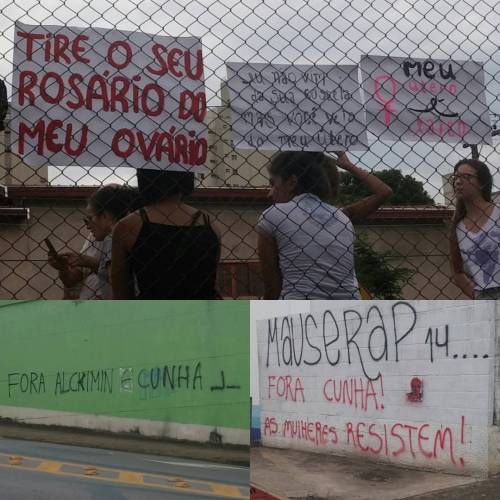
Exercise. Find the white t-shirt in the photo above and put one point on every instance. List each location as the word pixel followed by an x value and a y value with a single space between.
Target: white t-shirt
pixel 102 271
pixel 90 286
pixel 316 249
pixel 481 252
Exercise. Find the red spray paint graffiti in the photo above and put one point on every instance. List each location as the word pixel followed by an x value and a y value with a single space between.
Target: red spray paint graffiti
pixel 286 387
pixel 391 440
pixel 355 392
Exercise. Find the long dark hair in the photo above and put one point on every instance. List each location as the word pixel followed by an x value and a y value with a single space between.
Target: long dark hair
pixel 115 199
pixel 316 173
pixel 486 182
pixel 157 185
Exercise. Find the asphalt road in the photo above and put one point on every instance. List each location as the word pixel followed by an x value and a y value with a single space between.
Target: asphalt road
pixel 42 471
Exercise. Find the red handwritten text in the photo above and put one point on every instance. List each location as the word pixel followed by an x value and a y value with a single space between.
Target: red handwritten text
pixel 356 392
pixel 287 387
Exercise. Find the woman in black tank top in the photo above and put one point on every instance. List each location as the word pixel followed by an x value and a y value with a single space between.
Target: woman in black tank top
pixel 166 250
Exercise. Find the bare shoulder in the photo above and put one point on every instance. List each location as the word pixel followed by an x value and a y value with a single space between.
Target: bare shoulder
pixel 188 209
pixel 131 220
pixel 127 229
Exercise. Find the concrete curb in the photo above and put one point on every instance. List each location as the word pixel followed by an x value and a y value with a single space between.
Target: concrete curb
pixel 227 454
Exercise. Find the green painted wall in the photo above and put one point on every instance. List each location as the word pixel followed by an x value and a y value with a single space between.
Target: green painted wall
pixel 104 358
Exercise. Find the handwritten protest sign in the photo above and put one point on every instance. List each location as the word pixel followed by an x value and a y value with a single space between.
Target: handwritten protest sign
pixel 425 99
pixel 302 107
pixel 98 97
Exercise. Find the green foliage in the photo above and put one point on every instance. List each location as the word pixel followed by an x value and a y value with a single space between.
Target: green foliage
pixel 375 273
pixel 406 189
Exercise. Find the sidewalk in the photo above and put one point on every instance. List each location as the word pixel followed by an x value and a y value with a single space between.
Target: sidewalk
pixel 228 454
pixel 310 476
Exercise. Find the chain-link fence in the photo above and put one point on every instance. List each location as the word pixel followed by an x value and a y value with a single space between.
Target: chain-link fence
pixel 140 142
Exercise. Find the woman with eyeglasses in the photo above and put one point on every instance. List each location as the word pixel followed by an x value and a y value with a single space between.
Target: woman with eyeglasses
pixel 475 234
pixel 306 245
pixel 104 209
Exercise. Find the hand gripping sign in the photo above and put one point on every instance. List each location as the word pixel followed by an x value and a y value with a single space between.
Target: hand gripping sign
pixel 98 97
pixel 301 107
pixel 412 99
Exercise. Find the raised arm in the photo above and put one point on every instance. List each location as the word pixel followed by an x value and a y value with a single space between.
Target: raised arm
pixel 381 191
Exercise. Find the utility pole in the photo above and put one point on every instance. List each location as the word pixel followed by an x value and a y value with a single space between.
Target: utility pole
pixel 474 148
pixel 474 151
pixel 4 127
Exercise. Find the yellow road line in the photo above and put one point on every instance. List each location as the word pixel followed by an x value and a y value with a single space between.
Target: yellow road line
pixel 225 490
pixel 49 466
pixel 170 483
pixel 113 480
pixel 131 477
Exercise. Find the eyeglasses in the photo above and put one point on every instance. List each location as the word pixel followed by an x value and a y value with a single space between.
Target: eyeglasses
pixel 87 220
pixel 465 177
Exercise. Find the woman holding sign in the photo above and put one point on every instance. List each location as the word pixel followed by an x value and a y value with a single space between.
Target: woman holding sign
pixel 306 246
pixel 170 249
pixel 475 236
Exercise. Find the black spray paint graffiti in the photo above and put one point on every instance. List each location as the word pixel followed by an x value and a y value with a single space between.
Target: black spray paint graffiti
pixel 85 381
pixel 66 382
pixel 433 339
pixel 150 381
pixel 31 383
pixel 404 318
pixel 293 341
pixel 171 377
pixel 223 385
pixel 174 377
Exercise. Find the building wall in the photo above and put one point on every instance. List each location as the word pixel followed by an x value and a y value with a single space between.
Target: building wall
pixel 177 369
pixel 421 248
pixel 339 381
pixel 13 171
pixel 227 165
pixel 25 273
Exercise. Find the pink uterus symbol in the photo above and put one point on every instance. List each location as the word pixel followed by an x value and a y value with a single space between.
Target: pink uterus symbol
pixel 384 96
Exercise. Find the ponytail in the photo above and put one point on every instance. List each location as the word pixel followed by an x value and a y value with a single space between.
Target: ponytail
pixel 316 173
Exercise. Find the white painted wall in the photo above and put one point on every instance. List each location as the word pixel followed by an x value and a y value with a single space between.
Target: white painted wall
pixel 259 310
pixel 170 430
pixel 450 429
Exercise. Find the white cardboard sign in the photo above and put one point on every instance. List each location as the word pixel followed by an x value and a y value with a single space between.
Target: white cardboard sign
pixel 301 107
pixel 429 100
pixel 99 97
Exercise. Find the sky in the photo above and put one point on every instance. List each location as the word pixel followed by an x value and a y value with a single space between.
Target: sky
pixel 298 32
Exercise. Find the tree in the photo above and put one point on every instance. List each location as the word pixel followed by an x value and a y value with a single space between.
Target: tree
pixel 374 272
pixel 406 189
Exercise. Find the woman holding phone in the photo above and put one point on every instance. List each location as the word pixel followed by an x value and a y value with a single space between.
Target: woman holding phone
pixel 104 209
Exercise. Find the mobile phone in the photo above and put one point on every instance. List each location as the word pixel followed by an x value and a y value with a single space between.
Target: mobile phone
pixel 50 246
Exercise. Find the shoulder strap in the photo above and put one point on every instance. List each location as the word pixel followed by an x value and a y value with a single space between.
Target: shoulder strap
pixel 196 216
pixel 144 215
